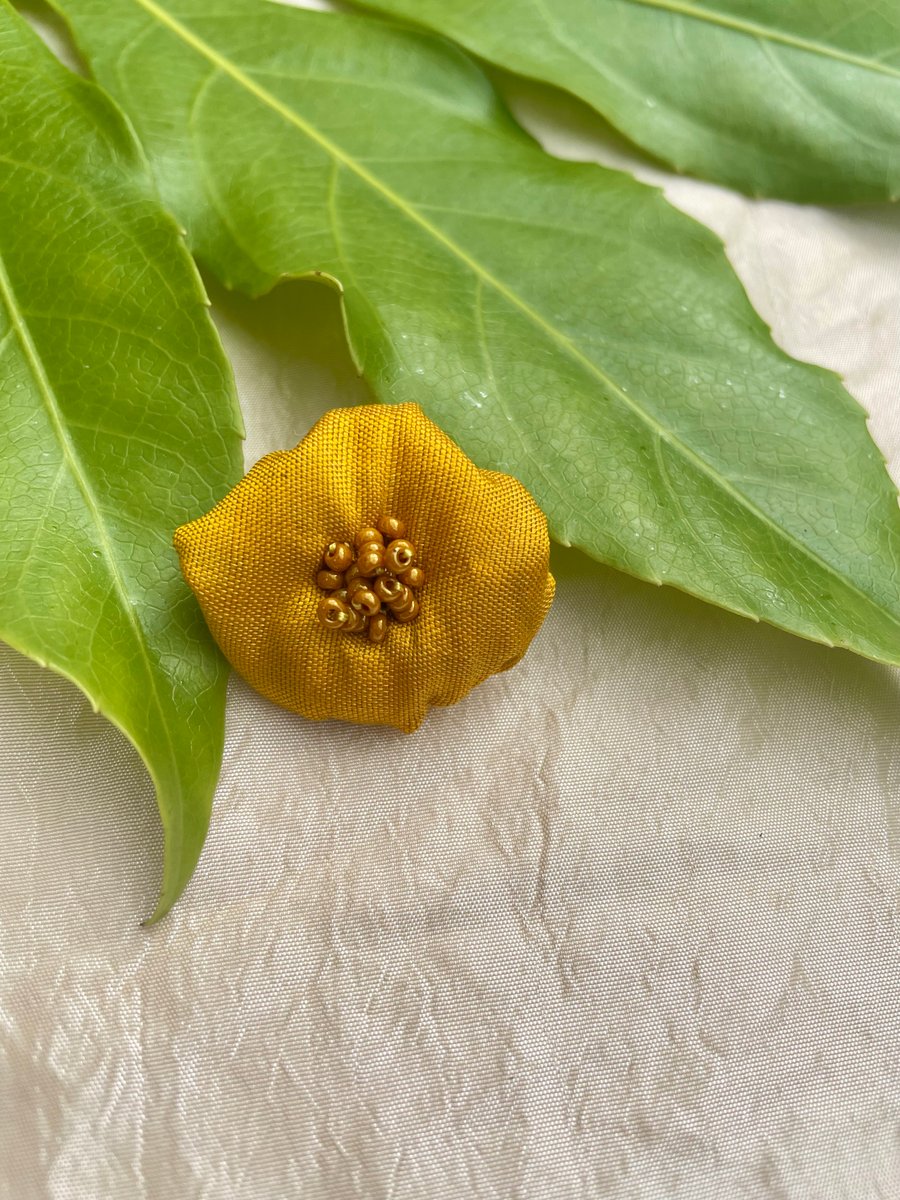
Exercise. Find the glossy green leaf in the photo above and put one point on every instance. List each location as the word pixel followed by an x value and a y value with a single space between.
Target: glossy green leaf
pixel 773 97
pixel 118 422
pixel 561 321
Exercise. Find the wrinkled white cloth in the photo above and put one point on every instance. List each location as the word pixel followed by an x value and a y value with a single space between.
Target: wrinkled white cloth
pixel 624 923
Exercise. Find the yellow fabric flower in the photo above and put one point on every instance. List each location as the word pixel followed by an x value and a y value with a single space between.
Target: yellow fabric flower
pixel 481 540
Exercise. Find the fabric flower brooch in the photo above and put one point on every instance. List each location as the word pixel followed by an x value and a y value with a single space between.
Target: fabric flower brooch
pixel 372 571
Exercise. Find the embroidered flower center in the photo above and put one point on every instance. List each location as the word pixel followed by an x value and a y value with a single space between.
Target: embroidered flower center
pixel 370 582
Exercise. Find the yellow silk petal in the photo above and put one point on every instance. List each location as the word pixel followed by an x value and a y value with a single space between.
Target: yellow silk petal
pixel 481 539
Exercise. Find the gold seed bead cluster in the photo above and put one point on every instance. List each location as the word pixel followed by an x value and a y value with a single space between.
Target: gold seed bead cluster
pixel 374 579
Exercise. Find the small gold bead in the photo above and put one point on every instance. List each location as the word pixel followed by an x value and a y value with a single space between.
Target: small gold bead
pixel 368 534
pixel 391 527
pixel 399 556
pixel 352 573
pixel 357 623
pixel 334 613
pixel 401 599
pixel 387 588
pixel 366 602
pixel 409 613
pixel 329 580
pixel 367 546
pixel 356 583
pixel 370 561
pixel 378 628
pixel 414 577
pixel 337 557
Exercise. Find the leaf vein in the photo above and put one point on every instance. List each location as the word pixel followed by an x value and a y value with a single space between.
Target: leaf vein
pixel 760 32
pixel 78 474
pixel 331 148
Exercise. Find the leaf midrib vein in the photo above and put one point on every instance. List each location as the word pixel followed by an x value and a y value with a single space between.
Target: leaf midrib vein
pixel 267 98
pixel 753 29
pixel 76 468
pixel 728 137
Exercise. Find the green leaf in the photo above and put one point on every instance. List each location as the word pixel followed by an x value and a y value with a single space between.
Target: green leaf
pixel 798 100
pixel 561 321
pixel 118 421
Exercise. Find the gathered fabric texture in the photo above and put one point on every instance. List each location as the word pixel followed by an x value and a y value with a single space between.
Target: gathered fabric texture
pixel 622 923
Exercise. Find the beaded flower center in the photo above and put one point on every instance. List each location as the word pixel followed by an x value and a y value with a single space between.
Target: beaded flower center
pixel 375 579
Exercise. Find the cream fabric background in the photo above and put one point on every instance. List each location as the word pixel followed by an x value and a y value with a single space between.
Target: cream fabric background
pixel 624 923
